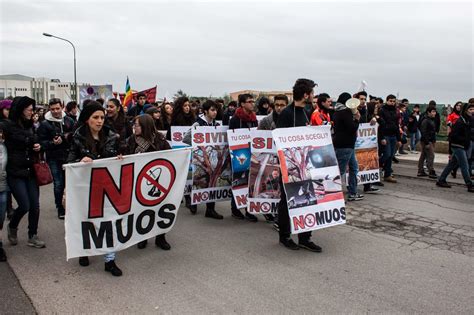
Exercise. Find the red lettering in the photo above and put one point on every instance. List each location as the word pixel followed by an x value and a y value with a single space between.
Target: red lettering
pixel 177 136
pixel 241 200
pixel 102 184
pixel 198 138
pixel 298 222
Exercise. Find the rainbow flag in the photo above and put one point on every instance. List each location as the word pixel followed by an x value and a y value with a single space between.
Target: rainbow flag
pixel 128 100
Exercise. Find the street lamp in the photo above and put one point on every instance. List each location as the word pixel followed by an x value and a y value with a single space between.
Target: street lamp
pixel 74 49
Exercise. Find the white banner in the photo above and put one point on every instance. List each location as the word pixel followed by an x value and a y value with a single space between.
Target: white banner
pixel 212 173
pixel 177 136
pixel 367 154
pixel 264 179
pixel 311 178
pixel 239 146
pixel 113 204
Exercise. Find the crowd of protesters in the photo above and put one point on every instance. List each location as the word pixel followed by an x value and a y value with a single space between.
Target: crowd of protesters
pixel 61 133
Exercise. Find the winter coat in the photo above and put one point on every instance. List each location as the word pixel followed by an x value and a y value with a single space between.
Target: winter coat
pixel 19 141
pixel 269 122
pixel 428 130
pixel 159 144
pixel 388 121
pixel 460 135
pixel 49 129
pixel 345 127
pixel 79 149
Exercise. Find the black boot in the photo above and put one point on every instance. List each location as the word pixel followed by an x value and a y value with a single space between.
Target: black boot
pixel 142 244
pixel 84 261
pixel 250 217
pixel 113 268
pixel 3 255
pixel 237 214
pixel 161 242
pixel 211 213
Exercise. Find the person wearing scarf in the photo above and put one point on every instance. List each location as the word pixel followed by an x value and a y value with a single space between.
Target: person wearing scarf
pixel 147 139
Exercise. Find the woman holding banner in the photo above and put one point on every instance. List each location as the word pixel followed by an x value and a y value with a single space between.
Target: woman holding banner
pixel 92 141
pixel 146 138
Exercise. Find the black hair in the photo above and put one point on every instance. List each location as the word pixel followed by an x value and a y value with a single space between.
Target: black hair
pixel 220 101
pixel 430 108
pixel 416 106
pixel 101 101
pixel 361 93
pixel 208 104
pixel 458 111
pixel 281 97
pixel 405 100
pixel 244 97
pixel 343 98
pixel 391 97
pixel 323 97
pixel 302 87
pixel 55 101
pixel 141 94
pixel 232 103
pixel 71 105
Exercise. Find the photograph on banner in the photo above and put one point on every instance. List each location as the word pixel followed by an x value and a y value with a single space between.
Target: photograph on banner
pixel 367 154
pixel 212 173
pixel 113 204
pixel 311 178
pixel 239 148
pixel 93 92
pixel 177 136
pixel 264 178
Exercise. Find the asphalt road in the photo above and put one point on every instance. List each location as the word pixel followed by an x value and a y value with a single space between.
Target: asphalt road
pixel 408 249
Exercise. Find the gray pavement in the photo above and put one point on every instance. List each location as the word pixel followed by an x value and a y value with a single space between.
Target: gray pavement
pixel 407 249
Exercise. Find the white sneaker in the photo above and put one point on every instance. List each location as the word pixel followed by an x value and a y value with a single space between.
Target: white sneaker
pixel 34 241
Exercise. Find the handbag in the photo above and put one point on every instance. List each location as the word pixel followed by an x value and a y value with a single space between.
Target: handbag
pixel 42 172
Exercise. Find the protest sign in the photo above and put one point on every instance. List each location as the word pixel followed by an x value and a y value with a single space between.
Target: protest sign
pixel 264 179
pixel 93 92
pixel 211 165
pixel 113 204
pixel 239 147
pixel 177 136
pixel 311 178
pixel 367 154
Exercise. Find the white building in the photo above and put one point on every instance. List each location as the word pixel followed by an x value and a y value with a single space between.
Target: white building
pixel 40 89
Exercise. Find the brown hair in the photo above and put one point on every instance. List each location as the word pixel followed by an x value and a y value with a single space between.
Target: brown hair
pixel 147 125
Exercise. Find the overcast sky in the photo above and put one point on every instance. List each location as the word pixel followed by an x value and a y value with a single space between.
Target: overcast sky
pixel 422 50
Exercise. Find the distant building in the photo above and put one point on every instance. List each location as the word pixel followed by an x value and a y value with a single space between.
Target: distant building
pixel 270 94
pixel 40 89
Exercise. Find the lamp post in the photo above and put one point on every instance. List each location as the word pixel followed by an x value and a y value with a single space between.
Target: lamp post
pixel 74 49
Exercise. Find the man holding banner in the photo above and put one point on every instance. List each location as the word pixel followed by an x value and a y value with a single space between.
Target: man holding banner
pixel 294 115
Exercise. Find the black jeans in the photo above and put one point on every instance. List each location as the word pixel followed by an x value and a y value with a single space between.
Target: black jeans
pixel 26 193
pixel 284 219
pixel 56 167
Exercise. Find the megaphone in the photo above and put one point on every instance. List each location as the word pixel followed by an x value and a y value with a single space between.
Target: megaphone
pixel 353 103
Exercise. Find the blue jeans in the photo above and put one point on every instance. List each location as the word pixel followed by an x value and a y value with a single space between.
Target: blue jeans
pixel 3 209
pixel 109 257
pixel 458 158
pixel 346 156
pixel 26 193
pixel 388 153
pixel 414 139
pixel 57 171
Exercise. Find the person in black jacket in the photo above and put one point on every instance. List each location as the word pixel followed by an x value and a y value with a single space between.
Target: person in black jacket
pixel 427 142
pixel 244 118
pixel 460 138
pixel 138 108
pixel 55 133
pixel 229 112
pixel 209 108
pixel 294 115
pixel 22 147
pixel 346 125
pixel 94 140
pixel 389 130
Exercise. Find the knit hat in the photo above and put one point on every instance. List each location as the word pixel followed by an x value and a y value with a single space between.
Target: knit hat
pixel 89 109
pixel 5 104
